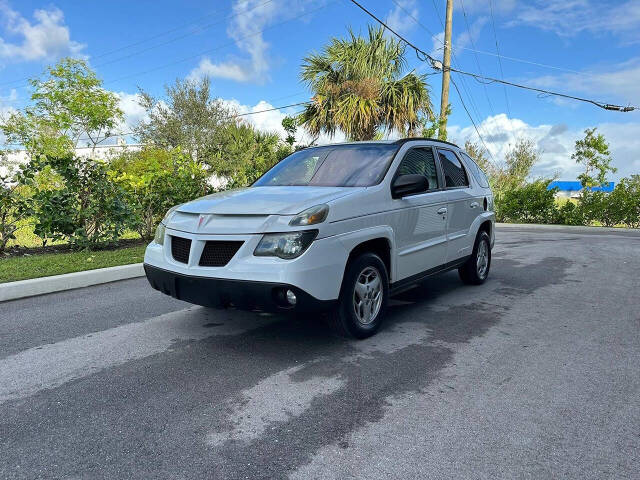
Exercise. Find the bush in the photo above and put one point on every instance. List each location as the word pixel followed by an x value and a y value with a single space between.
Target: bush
pixel 155 180
pixel 531 203
pixel 86 209
pixel 11 207
pixel 568 213
pixel 626 196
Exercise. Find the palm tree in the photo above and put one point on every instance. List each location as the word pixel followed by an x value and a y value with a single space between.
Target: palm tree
pixel 358 88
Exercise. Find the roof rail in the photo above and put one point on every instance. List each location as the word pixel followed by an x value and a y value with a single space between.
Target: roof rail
pixel 405 140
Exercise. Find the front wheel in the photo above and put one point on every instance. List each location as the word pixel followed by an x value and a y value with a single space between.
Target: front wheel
pixel 363 297
pixel 476 270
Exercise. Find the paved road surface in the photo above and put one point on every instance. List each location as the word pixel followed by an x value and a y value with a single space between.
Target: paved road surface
pixel 535 374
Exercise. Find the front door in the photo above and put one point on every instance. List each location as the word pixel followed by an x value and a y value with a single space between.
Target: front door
pixel 420 222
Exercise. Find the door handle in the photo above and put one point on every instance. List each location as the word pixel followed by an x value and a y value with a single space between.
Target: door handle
pixel 474 204
pixel 442 211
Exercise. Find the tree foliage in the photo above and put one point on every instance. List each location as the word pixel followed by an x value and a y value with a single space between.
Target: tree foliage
pixel 11 203
pixel 592 152
pixel 358 88
pixel 247 153
pixel 87 209
pixel 188 118
pixel 68 107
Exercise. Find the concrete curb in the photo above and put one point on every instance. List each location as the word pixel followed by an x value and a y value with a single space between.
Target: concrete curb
pixel 577 228
pixel 68 281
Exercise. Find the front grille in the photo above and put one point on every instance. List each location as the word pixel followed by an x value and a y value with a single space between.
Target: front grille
pixel 217 253
pixel 180 248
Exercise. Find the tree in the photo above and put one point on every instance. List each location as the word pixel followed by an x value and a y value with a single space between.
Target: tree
pixel 479 155
pixel 156 180
pixel 188 118
pixel 247 153
pixel 69 106
pixel 11 203
pixel 290 125
pixel 437 128
pixel 592 152
pixel 87 209
pixel 358 88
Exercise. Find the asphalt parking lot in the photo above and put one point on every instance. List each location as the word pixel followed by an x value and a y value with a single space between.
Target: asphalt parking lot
pixel 535 374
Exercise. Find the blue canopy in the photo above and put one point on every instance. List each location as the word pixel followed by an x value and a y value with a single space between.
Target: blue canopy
pixel 576 186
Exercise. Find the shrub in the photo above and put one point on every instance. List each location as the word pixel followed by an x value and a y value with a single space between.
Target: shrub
pixel 11 206
pixel 531 203
pixel 87 208
pixel 155 180
pixel 568 213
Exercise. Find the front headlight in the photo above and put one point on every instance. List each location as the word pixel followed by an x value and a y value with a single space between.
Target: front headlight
pixel 285 245
pixel 310 216
pixel 159 237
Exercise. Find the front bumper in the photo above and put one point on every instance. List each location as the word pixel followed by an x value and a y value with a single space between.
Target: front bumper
pixel 225 293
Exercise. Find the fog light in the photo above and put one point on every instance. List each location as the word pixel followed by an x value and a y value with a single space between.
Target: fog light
pixel 291 297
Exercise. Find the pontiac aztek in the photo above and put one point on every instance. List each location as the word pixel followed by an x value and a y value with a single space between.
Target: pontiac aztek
pixel 333 229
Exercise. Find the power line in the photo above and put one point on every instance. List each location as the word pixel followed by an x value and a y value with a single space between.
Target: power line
pixel 175 39
pixel 220 47
pixel 473 44
pixel 493 160
pixel 437 65
pixel 124 134
pixel 495 36
pixel 172 40
pixel 484 52
pixel 454 60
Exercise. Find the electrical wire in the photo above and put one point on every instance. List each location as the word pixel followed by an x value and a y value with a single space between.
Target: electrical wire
pixel 222 46
pixel 237 115
pixel 493 160
pixel 473 44
pixel 437 65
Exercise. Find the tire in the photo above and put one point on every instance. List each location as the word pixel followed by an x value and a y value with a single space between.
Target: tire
pixel 475 270
pixel 348 319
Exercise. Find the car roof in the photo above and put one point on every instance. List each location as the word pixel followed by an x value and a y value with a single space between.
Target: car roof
pixel 399 142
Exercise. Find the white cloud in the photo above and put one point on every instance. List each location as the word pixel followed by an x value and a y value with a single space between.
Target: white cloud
pixel 133 111
pixel 228 70
pixel 606 83
pixel 45 38
pixel 251 16
pixel 555 142
pixel 398 19
pixel 471 35
pixel 567 18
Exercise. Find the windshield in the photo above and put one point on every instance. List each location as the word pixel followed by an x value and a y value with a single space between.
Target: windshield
pixel 332 166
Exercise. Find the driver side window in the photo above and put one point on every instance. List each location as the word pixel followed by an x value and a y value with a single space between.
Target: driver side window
pixel 420 161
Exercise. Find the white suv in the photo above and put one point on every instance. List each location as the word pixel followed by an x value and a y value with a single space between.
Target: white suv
pixel 336 228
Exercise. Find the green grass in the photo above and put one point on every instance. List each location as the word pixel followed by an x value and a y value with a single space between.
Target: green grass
pixel 42 265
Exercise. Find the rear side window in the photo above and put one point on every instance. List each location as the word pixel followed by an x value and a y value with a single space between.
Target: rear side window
pixel 454 173
pixel 420 161
pixel 477 171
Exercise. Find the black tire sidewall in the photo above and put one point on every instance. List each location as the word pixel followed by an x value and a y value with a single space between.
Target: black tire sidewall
pixel 347 313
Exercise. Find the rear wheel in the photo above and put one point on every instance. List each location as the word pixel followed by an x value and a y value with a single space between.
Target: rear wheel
pixel 476 270
pixel 363 297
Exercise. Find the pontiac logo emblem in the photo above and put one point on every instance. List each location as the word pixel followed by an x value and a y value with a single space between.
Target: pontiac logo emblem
pixel 200 220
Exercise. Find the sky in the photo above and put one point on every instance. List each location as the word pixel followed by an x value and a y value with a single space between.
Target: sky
pixel 253 49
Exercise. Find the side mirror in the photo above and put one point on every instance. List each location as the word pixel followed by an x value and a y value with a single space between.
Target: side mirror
pixel 408 184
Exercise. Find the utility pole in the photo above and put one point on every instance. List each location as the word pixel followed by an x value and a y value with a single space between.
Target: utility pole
pixel 446 72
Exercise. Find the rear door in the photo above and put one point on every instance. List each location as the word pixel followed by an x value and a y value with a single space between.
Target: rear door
pixel 420 219
pixel 462 206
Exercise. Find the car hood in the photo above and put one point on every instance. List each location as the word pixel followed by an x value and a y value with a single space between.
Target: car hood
pixel 286 200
